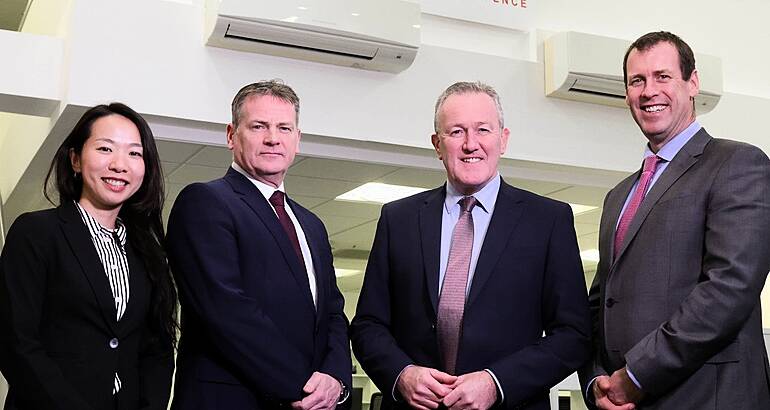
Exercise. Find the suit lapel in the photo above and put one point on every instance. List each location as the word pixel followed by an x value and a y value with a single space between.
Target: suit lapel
pixel 505 217
pixel 83 248
pixel 684 159
pixel 139 287
pixel 430 239
pixel 254 199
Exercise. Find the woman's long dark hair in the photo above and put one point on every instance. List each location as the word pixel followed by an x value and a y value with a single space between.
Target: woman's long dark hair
pixel 141 213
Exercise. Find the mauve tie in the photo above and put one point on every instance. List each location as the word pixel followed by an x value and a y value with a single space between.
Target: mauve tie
pixel 648 170
pixel 451 305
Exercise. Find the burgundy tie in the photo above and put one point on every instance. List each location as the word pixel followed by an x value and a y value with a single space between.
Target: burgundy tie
pixel 277 200
pixel 648 170
pixel 451 304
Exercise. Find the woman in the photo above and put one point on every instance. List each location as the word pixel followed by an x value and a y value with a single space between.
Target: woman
pixel 87 304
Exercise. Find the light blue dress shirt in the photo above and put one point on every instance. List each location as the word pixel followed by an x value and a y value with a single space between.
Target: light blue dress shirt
pixel 482 213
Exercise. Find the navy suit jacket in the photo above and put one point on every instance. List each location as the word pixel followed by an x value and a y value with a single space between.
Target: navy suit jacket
pixel 251 337
pixel 58 319
pixel 528 280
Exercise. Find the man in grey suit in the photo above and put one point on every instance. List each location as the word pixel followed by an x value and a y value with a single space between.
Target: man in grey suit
pixel 685 250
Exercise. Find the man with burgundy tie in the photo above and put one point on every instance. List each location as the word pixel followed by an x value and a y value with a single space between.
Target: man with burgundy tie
pixel 684 255
pixel 262 318
pixel 474 295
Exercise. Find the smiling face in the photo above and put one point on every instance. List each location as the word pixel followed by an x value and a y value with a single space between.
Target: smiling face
pixel 661 101
pixel 266 138
pixel 469 140
pixel 111 164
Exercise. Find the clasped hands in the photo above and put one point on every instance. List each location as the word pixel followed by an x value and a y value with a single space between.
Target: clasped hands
pixel 616 392
pixel 425 388
pixel 323 392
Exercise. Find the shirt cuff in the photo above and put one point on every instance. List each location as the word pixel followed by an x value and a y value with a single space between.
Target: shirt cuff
pixel 501 396
pixel 393 390
pixel 633 379
pixel 590 397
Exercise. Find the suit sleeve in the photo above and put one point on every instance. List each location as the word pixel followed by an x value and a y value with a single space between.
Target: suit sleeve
pixel 336 362
pixel 204 257
pixel 373 343
pixel 38 381
pixel 593 368
pixel 735 264
pixel 565 346
pixel 156 368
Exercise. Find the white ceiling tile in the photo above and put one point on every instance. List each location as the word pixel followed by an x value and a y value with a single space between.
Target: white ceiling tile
pixel 186 174
pixel 345 208
pixel 360 237
pixel 340 169
pixel 212 157
pixel 168 167
pixel 590 217
pixel 173 151
pixel 424 178
pixel 336 224
pixel 317 187
pixel 583 195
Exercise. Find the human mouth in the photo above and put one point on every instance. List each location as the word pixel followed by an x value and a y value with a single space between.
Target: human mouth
pixel 654 108
pixel 114 184
pixel 471 160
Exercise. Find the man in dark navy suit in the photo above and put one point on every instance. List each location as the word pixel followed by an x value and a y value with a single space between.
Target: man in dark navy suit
pixel 262 318
pixel 474 293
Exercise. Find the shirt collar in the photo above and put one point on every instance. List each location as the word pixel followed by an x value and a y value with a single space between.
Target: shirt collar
pixel 97 230
pixel 669 151
pixel 485 197
pixel 265 189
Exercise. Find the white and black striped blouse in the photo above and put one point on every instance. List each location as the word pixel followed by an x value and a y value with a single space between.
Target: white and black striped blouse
pixel 111 247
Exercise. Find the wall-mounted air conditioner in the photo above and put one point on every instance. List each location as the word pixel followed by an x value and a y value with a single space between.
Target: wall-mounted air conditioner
pixel 589 68
pixel 379 35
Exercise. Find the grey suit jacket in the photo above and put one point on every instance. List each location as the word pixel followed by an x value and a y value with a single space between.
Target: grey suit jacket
pixel 680 303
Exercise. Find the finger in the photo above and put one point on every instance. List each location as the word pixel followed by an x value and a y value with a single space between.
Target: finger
pixel 442 377
pixel 312 400
pixel 312 383
pixel 452 398
pixel 603 382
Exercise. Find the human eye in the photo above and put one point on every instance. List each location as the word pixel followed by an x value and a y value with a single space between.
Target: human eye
pixel 456 132
pixel 636 81
pixel 257 126
pixel 104 148
pixel 484 130
pixel 285 129
pixel 135 153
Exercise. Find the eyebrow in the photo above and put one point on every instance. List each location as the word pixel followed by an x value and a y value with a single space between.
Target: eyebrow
pixel 105 139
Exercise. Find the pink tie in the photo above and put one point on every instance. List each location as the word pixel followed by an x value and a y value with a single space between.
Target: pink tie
pixel 451 304
pixel 648 170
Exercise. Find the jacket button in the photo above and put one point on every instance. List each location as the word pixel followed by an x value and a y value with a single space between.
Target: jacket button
pixel 610 302
pixel 114 343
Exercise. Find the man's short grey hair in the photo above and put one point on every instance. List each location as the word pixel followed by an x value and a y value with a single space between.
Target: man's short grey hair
pixel 465 87
pixel 275 88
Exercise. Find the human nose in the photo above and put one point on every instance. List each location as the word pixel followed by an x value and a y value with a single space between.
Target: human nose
pixel 650 89
pixel 118 163
pixel 471 142
pixel 271 136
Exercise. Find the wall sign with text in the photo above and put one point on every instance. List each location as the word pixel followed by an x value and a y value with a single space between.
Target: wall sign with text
pixel 513 14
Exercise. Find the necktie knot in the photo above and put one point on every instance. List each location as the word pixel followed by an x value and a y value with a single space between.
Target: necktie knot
pixel 277 199
pixel 467 203
pixel 650 163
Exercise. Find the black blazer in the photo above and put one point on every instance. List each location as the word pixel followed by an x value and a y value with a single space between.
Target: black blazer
pixel 58 318
pixel 528 280
pixel 251 337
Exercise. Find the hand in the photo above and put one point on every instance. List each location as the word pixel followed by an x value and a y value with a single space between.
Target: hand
pixel 475 391
pixel 423 388
pixel 622 389
pixel 323 392
pixel 600 388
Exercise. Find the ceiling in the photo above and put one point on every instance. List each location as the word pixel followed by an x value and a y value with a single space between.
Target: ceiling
pixel 12 13
pixel 315 182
